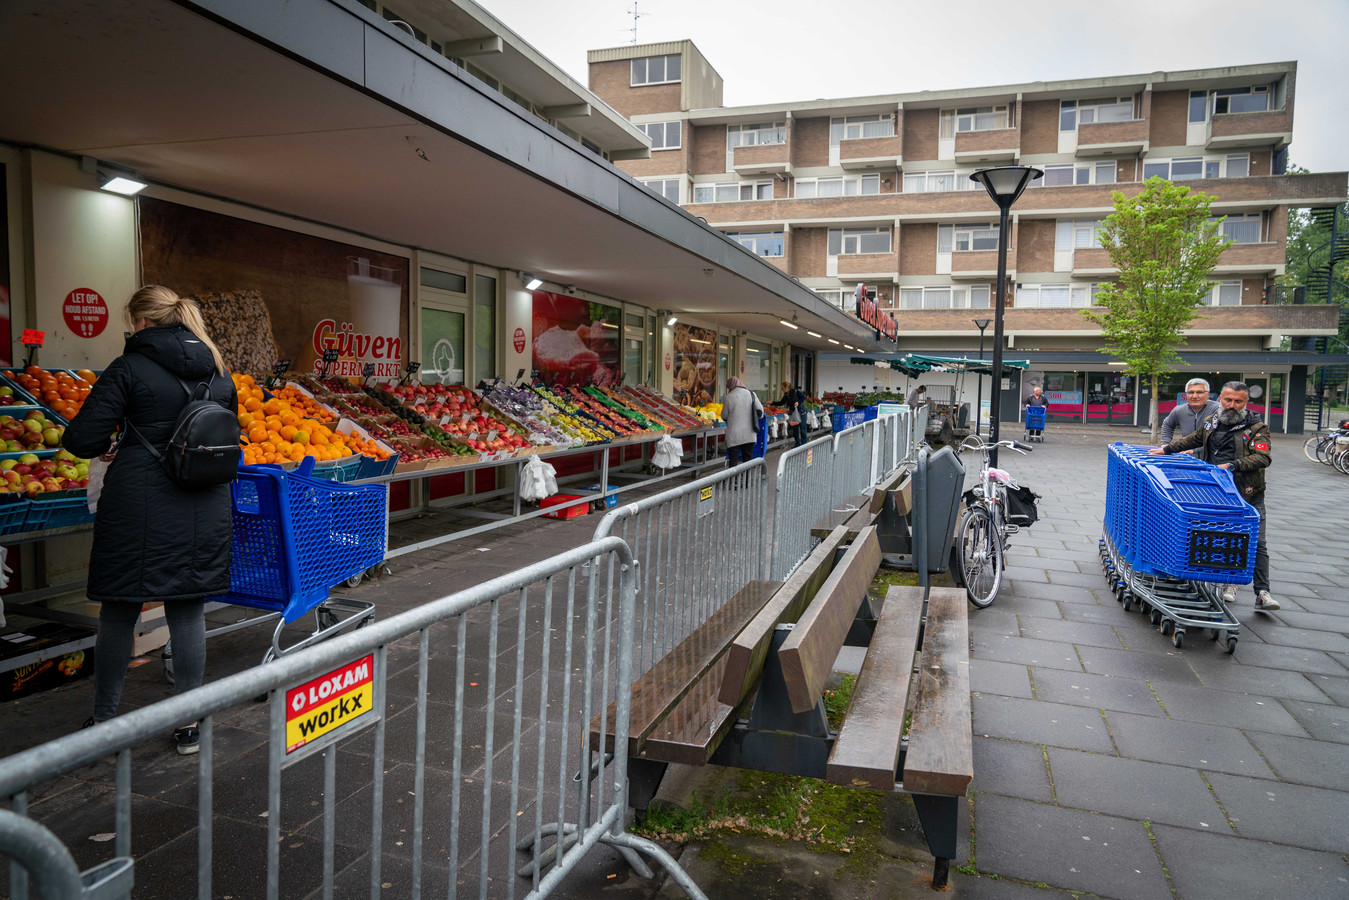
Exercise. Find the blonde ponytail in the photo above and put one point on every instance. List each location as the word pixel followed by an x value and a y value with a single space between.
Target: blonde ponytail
pixel 160 306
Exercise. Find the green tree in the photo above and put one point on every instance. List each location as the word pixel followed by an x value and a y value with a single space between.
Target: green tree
pixel 1164 244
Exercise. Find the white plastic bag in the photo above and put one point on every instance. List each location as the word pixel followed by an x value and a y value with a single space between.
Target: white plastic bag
pixel 537 480
pixel 669 453
pixel 825 421
pixel 98 470
pixel 812 420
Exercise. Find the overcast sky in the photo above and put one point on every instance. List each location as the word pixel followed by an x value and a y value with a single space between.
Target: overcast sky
pixel 793 50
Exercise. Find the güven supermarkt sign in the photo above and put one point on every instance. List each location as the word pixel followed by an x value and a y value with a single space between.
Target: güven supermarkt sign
pixel 870 313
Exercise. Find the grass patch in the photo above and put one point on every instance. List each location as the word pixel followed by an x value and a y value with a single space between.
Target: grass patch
pixel 836 701
pixel 782 807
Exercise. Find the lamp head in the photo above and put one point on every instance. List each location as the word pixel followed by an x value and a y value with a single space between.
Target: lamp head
pixel 1005 183
pixel 981 324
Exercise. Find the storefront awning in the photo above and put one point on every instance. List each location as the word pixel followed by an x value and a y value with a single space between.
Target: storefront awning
pixel 914 364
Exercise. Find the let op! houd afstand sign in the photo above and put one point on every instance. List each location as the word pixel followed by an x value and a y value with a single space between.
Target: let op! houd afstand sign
pixel 330 706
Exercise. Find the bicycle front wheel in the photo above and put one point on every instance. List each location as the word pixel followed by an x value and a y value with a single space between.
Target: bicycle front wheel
pixel 1311 447
pixel 980 556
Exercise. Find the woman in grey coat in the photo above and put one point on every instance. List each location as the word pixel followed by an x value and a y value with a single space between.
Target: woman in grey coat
pixel 741 410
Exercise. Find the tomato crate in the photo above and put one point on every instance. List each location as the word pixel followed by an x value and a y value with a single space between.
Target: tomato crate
pixel 569 512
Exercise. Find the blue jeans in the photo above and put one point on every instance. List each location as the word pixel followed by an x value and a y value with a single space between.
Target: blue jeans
pixel 800 432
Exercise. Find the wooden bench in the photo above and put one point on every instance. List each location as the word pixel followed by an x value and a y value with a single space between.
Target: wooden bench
pixel 863 510
pixel 745 689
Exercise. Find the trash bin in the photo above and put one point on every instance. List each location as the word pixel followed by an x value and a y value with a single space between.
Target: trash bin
pixel 938 482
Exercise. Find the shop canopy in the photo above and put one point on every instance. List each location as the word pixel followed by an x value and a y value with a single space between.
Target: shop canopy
pixel 914 364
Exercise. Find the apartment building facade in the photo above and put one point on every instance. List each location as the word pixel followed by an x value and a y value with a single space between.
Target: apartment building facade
pixel 876 190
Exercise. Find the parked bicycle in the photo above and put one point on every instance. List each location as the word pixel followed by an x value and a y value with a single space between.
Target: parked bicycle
pixel 1330 448
pixel 995 508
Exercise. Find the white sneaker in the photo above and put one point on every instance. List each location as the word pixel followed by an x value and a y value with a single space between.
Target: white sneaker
pixel 1264 602
pixel 1229 593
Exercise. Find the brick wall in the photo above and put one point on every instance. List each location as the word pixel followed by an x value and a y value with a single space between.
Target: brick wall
pixel 920 134
pixel 1252 291
pixel 709 150
pixel 1260 161
pixel 1040 126
pixel 612 83
pixel 918 250
pixel 810 141
pixel 661 162
pixel 1170 118
pixel 1126 168
pixel 810 246
pixel 1035 247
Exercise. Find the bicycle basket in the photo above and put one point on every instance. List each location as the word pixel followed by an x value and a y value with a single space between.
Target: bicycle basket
pixel 1021 508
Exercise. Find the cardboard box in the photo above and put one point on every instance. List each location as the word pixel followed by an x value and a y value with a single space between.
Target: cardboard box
pixel 56 663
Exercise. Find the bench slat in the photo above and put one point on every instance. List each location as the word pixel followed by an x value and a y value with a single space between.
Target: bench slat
pixel 897 481
pixel 745 659
pixel 940 758
pixel 808 654
pixel 665 684
pixel 866 752
pixel 837 517
pixel 693 730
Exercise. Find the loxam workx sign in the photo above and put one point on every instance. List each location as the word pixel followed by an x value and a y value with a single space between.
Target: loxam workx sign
pixel 341 699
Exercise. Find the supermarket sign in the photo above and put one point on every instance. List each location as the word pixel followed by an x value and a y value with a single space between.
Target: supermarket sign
pixel 330 707
pixel 870 312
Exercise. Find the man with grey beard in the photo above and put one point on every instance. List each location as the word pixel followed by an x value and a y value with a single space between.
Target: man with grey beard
pixel 1236 439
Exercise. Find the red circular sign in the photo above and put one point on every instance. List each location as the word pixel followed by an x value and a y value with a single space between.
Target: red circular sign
pixel 85 312
pixel 519 340
pixel 742 367
pixel 667 362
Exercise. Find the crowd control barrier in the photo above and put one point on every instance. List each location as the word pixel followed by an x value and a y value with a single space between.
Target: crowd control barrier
pixel 494 746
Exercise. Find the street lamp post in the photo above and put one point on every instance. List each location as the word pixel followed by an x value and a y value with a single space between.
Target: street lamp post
pixel 1004 184
pixel 979 401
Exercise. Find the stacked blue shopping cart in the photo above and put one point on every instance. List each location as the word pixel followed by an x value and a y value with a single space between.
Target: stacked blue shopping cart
pixel 295 538
pixel 1176 529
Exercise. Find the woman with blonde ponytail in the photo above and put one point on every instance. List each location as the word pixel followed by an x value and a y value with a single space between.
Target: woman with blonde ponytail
pixel 153 540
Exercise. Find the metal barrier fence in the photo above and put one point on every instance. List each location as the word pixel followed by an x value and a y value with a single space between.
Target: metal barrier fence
pixel 853 449
pixel 489 741
pixel 698 545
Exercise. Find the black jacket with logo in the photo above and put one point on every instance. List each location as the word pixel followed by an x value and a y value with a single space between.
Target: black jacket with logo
pixel 1252 449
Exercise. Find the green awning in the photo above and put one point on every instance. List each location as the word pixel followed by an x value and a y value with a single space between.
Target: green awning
pixel 915 364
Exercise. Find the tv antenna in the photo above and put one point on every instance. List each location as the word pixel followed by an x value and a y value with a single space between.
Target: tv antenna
pixel 635 16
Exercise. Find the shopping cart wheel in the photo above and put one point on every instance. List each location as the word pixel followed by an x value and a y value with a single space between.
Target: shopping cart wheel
pixel 355 580
pixel 1128 601
pixel 1167 626
pixel 1156 618
pixel 1231 645
pixel 1178 638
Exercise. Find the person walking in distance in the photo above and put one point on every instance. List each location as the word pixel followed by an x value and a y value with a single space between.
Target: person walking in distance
pixel 1185 420
pixel 794 400
pixel 153 540
pixel 1234 438
pixel 741 410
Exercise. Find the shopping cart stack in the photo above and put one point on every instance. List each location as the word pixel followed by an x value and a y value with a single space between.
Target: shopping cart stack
pixel 297 536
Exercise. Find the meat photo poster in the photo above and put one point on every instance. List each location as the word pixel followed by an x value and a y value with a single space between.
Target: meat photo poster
pixel 575 341
pixel 695 365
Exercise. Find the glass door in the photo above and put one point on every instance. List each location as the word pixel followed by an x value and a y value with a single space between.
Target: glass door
pixel 442 347
pixel 1110 398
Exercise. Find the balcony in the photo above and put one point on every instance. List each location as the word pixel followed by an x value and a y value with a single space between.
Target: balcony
pixel 862 154
pixel 1092 261
pixel 1107 138
pixel 996 145
pixel 979 264
pixel 763 159
pixel 871 266
pixel 1232 130
pixel 1251 259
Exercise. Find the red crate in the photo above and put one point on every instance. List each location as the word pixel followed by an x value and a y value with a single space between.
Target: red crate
pixel 570 512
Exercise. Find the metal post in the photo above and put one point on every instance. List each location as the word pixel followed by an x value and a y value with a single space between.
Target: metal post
pixel 995 404
pixel 979 401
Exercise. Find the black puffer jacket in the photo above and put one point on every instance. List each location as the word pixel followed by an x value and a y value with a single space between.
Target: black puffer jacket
pixel 152 539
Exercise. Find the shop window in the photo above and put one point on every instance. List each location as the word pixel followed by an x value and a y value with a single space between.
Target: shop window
pixel 444 281
pixel 484 328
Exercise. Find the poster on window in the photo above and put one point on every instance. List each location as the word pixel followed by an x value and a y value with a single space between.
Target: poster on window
pixel 269 294
pixel 695 364
pixel 575 341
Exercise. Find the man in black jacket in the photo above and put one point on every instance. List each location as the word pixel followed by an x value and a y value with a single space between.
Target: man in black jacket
pixel 1236 439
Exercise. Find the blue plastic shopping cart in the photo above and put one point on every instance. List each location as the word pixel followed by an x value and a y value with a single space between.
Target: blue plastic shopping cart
pixel 1035 423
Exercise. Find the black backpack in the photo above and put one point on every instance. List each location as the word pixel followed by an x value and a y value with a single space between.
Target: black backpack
pixel 203 449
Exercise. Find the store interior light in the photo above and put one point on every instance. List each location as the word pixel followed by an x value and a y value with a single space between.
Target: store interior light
pixel 698 341
pixel 813 334
pixel 532 282
pixel 121 184
pixel 831 340
pixel 791 325
pixel 753 350
pixel 670 321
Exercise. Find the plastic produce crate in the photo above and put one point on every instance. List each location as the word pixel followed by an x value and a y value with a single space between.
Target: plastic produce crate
pixel 295 537
pixel 373 468
pixel 13 513
pixel 570 512
pixel 58 509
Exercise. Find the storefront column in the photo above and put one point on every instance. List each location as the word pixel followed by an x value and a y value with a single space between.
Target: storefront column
pixel 1295 417
pixel 517 326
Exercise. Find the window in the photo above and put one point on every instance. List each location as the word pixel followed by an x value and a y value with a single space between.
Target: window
pixel 1225 293
pixel 966 237
pixel 664 135
pixel 655 70
pixel 1198 106
pixel 1241 100
pixel 754 135
pixel 841 186
pixel 850 128
pixel 760 243
pixel 939 182
pixel 732 191
pixel 843 298
pixel 666 187
pixel 1242 229
pixel 850 241
pixel 1080 173
pixel 1087 112
pixel 1237 165
pixel 973 118
pixel 1056 296
pixel 946 297
pixel 1077 234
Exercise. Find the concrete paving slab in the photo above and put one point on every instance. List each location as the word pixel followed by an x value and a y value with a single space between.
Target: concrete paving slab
pixel 1275 633
pixel 1039 722
pixel 1208 747
pixel 1133 789
pixel 1066 592
pixel 1026 651
pixel 1028 841
pixel 1250 712
pixel 1008 679
pixel 994 621
pixel 1206 866
pixel 1220 670
pixel 1011 768
pixel 1069 632
pixel 1148 663
pixel 1096 691
pixel 1337 689
pixel 1304 761
pixel 1293 814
